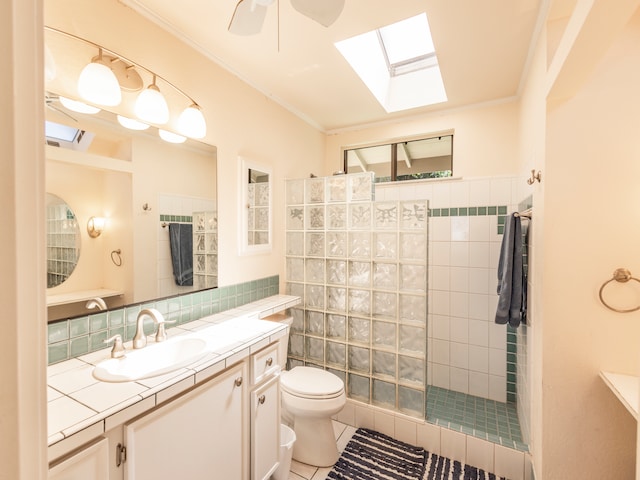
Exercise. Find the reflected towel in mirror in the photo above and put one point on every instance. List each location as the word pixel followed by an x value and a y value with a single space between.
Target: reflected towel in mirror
pixel 181 244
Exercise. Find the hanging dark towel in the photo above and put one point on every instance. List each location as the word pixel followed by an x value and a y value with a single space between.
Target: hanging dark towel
pixel 510 274
pixel 181 244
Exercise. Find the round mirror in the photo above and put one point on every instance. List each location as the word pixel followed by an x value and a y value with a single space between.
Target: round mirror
pixel 63 240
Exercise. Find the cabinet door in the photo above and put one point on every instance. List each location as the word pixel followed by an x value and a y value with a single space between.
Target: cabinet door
pixel 200 435
pixel 265 429
pixel 91 462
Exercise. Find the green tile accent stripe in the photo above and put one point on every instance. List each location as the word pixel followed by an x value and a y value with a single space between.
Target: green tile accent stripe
pixel 500 210
pixel 176 218
pixel 489 420
pixel 81 335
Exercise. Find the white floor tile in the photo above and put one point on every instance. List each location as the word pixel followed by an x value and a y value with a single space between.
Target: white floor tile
pixel 302 469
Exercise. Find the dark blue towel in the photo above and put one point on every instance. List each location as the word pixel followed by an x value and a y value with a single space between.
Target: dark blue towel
pixel 181 244
pixel 510 274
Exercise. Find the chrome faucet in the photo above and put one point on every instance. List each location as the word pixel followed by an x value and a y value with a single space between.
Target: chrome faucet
pixel 140 339
pixel 96 302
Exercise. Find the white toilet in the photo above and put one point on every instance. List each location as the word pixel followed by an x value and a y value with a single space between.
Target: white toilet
pixel 310 396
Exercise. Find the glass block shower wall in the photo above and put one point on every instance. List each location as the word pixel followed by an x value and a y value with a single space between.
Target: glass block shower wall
pixel 360 267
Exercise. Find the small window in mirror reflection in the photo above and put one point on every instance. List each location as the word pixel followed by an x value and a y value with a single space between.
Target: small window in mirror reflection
pixel 429 157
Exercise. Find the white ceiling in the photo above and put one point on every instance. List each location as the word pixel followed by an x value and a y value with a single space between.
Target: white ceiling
pixel 482 49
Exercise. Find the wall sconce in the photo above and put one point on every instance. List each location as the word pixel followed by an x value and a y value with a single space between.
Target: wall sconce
pixel 108 74
pixel 95 226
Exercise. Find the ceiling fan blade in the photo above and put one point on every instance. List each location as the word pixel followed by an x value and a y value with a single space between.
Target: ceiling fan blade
pixel 325 12
pixel 248 18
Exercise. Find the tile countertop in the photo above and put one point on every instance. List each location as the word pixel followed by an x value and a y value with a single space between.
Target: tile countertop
pixel 81 406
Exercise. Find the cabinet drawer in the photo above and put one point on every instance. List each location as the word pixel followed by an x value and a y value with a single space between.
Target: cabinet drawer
pixel 265 363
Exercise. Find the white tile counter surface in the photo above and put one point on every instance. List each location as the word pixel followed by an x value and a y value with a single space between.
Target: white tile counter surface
pixel 81 407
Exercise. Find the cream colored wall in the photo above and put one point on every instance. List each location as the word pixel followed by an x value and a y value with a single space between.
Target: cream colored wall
pixel 240 120
pixel 485 141
pixel 23 422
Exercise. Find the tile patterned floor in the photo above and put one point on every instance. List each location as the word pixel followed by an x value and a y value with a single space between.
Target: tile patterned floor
pixel 302 471
pixel 487 419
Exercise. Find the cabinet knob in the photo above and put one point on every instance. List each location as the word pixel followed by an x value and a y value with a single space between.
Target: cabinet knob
pixel 261 399
pixel 269 361
pixel 238 381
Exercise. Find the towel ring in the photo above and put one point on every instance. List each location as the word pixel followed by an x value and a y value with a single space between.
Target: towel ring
pixel 621 275
pixel 116 258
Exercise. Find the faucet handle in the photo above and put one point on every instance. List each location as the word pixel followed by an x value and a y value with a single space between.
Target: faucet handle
pixel 118 347
pixel 161 334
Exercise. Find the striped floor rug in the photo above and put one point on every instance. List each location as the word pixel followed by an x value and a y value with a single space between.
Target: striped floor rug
pixel 371 455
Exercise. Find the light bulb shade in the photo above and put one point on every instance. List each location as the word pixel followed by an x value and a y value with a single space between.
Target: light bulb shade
pixel 76 106
pixel 151 106
pixel 191 122
pixel 95 226
pixel 131 124
pixel 171 137
pixel 98 84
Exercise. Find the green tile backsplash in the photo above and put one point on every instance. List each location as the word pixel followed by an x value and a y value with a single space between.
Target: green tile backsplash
pixel 81 335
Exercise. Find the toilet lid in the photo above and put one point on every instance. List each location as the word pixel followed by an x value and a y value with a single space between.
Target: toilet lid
pixel 311 382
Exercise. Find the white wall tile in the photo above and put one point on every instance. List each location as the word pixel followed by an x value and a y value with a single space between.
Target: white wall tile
pixel 497 336
pixel 364 417
pixel 441 253
pixel 406 431
pixel 460 229
pixel 441 195
pixel 453 445
pixel 429 437
pixel 479 359
pixel 440 277
pixel 479 280
pixel 459 330
pixel 347 414
pixel 424 191
pixel 441 351
pixel 480 453
pixel 440 229
pixel 407 192
pixel 497 388
pixel 440 375
pixel 479 254
pixel 498 362
pixel 459 379
pixel 459 279
pixel 459 353
pixel 479 193
pixel 479 306
pixel 479 384
pixel 479 333
pixel 479 229
pixel 440 302
pixel 460 305
pixel 440 325
pixel 459 194
pixel 459 254
pixel 509 463
pixel 384 423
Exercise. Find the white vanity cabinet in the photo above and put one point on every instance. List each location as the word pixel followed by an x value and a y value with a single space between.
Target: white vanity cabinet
pixel 265 412
pixel 199 435
pixel 89 462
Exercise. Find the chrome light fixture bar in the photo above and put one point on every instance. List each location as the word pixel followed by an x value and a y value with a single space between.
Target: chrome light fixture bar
pixel 108 73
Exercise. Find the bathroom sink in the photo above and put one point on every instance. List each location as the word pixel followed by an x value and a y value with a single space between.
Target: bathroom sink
pixel 151 361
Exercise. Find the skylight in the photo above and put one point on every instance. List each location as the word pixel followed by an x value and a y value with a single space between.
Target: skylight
pixel 398 64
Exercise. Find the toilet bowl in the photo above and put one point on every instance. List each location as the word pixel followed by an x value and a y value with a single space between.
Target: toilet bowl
pixel 310 397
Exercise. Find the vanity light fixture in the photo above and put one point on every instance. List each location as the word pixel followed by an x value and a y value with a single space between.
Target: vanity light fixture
pixel 95 226
pixel 131 123
pixel 151 105
pixel 102 81
pixel 76 106
pixel 171 137
pixel 98 83
pixel 191 122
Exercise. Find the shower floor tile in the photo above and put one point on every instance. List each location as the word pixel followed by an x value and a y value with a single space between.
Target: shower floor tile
pixel 494 421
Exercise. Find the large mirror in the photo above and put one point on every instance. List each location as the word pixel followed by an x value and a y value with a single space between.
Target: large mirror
pixel 141 185
pixel 255 204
